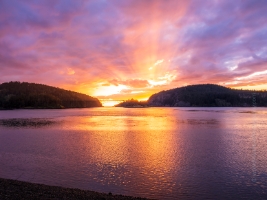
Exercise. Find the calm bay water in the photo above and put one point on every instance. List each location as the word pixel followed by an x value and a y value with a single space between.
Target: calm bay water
pixel 162 153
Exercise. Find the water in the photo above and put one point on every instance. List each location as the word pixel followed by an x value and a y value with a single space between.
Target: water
pixel 162 153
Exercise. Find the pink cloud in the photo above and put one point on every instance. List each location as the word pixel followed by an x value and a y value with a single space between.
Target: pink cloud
pixel 119 42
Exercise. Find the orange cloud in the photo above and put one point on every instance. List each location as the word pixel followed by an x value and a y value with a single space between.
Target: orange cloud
pixel 134 48
pixel 134 83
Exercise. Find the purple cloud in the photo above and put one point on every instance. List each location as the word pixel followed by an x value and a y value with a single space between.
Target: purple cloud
pixel 146 46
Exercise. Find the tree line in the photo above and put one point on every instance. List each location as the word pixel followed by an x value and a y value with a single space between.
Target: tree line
pixel 31 95
pixel 208 95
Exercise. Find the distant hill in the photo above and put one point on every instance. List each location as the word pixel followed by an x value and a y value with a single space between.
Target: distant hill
pixel 31 95
pixel 208 95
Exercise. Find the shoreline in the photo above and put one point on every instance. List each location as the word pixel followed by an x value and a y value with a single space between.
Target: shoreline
pixel 13 189
pixel 4 109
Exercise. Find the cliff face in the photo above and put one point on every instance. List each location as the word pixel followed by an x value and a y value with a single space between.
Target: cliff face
pixel 31 95
pixel 208 95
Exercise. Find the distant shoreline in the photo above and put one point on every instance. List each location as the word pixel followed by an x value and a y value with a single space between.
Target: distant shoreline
pixel 5 109
pixel 27 108
pixel 13 189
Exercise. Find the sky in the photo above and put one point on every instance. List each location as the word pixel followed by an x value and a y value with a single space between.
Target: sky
pixel 123 49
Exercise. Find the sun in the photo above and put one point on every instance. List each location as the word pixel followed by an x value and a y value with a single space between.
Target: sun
pixel 109 90
pixel 109 102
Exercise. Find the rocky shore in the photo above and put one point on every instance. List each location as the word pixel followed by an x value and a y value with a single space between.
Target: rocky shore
pixel 12 189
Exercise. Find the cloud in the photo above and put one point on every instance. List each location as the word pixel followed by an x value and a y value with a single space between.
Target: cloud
pixel 144 45
pixel 134 83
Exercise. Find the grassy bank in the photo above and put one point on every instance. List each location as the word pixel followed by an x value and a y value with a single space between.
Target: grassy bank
pixel 12 189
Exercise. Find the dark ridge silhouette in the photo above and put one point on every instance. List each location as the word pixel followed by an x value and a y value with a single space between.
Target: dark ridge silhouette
pixel 15 95
pixel 208 95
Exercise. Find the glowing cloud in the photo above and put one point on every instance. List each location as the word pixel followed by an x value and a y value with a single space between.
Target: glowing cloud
pixel 134 48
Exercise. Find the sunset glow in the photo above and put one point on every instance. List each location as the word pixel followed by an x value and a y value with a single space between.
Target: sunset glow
pixel 118 50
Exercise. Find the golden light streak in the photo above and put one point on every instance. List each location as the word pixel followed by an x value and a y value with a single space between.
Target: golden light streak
pixel 259 87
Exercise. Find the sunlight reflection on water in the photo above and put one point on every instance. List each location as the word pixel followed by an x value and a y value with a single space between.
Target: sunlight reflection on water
pixel 164 153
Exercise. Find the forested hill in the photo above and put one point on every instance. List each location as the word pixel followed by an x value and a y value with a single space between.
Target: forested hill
pixel 32 95
pixel 208 95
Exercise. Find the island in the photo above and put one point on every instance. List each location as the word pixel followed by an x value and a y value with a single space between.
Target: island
pixel 20 95
pixel 208 95
pixel 132 103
